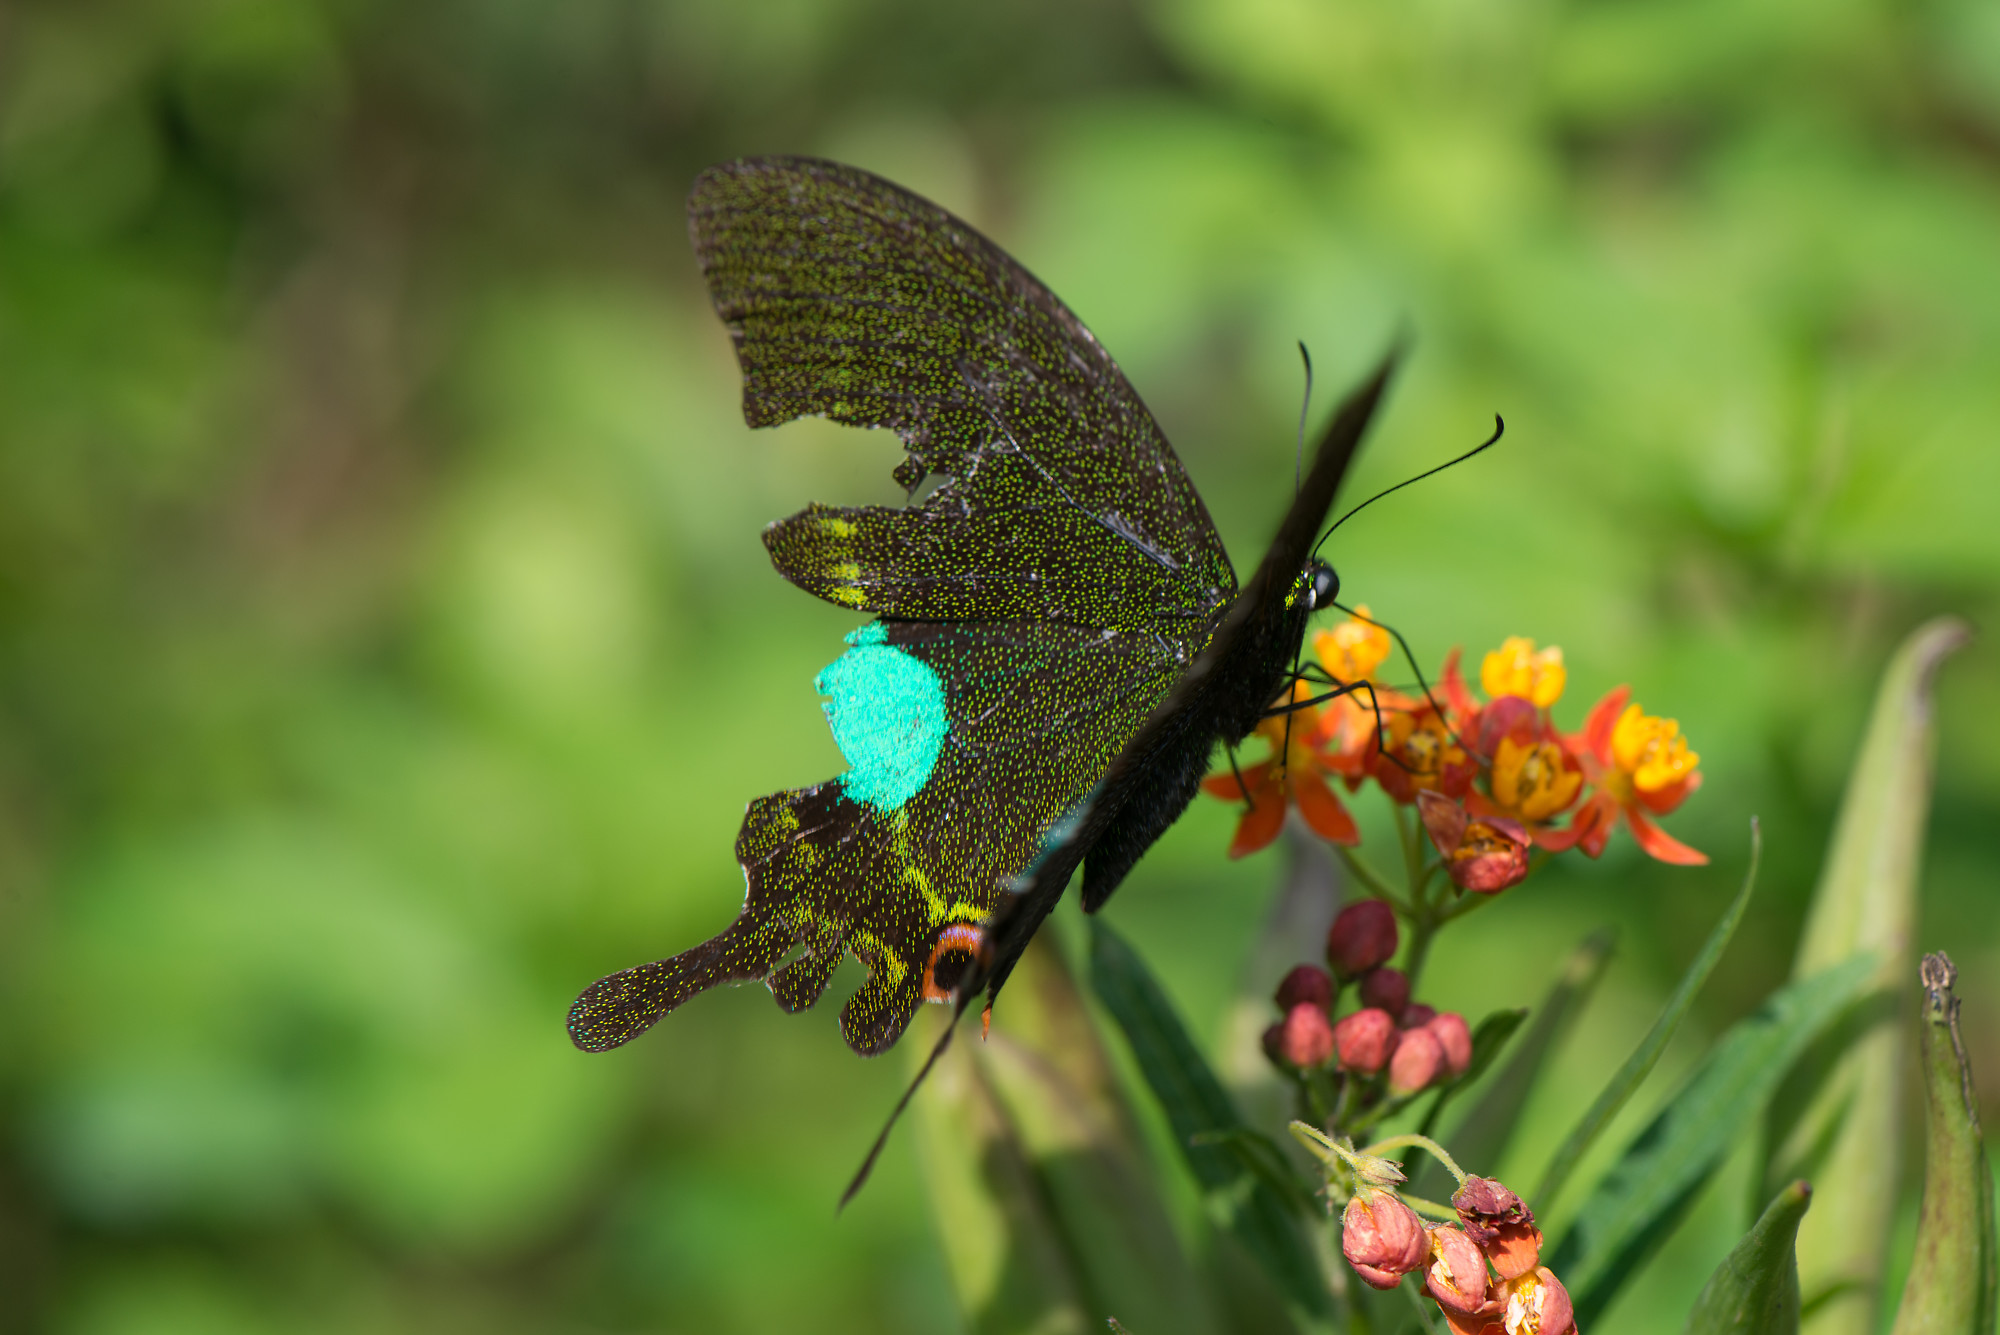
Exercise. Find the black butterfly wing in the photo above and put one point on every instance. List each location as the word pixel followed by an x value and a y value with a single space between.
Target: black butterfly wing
pixel 1221 697
pixel 1153 777
pixel 1038 603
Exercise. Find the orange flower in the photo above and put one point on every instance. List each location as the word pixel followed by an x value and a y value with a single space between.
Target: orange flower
pixel 1352 653
pixel 1484 856
pixel 1531 777
pixel 1420 754
pixel 1533 781
pixel 1294 776
pixel 1516 668
pixel 1353 650
pixel 1638 767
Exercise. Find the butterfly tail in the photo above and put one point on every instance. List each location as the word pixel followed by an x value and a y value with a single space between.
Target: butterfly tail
pixel 618 1008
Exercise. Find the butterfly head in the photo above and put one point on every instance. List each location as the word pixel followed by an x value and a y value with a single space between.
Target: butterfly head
pixel 1319 585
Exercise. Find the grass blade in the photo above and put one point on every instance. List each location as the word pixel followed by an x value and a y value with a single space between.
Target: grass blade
pixel 1647 1055
pixel 1645 1194
pixel 1481 1135
pixel 1049 1207
pixel 1838 1121
pixel 1201 1115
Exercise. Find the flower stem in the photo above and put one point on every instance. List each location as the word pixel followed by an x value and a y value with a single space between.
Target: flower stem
pixel 1371 878
pixel 1381 1149
pixel 1431 1208
pixel 1422 929
pixel 1413 853
pixel 1465 906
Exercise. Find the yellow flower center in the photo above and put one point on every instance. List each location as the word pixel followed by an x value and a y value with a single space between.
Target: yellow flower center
pixel 1524 1306
pixel 1651 750
pixel 1530 780
pixel 1516 668
pixel 1482 840
pixel 1354 649
pixel 1422 751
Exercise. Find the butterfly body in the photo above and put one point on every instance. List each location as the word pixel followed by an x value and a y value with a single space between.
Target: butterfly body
pixel 1059 637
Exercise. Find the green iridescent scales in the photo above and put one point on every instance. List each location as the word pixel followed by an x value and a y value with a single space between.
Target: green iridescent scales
pixel 1054 585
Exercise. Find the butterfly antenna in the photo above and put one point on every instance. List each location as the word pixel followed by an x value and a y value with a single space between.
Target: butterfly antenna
pixel 1299 455
pixel 1298 464
pixel 882 1138
pixel 1499 430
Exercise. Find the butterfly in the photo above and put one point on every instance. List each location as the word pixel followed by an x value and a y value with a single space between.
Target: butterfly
pixel 1058 638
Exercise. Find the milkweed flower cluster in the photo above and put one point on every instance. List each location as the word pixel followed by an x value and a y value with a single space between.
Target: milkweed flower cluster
pixel 1492 779
pixel 1481 1265
pixel 1387 1044
pixel 1484 1270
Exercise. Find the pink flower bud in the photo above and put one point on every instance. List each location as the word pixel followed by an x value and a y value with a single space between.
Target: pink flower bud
pixel 1419 1057
pixel 1363 936
pixel 1386 988
pixel 1457 1277
pixel 1307 983
pixel 1307 1037
pixel 1455 1038
pixel 1364 1040
pixel 1416 1015
pixel 1500 1225
pixel 1382 1238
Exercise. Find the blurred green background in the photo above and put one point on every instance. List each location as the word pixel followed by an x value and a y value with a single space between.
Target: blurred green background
pixel 387 649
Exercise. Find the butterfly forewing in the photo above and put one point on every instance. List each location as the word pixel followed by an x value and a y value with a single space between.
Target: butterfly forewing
pixel 853 299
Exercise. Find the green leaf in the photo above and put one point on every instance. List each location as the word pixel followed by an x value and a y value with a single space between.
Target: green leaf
pixel 1952 1285
pixel 1643 1196
pixel 1481 1135
pixel 1199 1111
pixel 1033 1157
pixel 1644 1057
pixel 1838 1120
pixel 1755 1291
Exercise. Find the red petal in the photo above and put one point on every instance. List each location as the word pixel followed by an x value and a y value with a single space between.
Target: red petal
pixel 1554 840
pixel 1259 826
pixel 1663 801
pixel 1444 820
pixel 1226 787
pixel 1603 718
pixel 1322 810
pixel 1480 805
pixel 1659 844
pixel 1592 824
pixel 1451 684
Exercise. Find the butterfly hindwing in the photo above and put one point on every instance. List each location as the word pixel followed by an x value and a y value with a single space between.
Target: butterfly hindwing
pixel 964 741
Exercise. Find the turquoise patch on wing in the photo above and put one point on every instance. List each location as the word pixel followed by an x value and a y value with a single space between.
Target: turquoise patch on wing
pixel 888 718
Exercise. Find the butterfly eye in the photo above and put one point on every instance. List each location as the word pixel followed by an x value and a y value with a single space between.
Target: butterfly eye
pixel 954 952
pixel 1325 584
